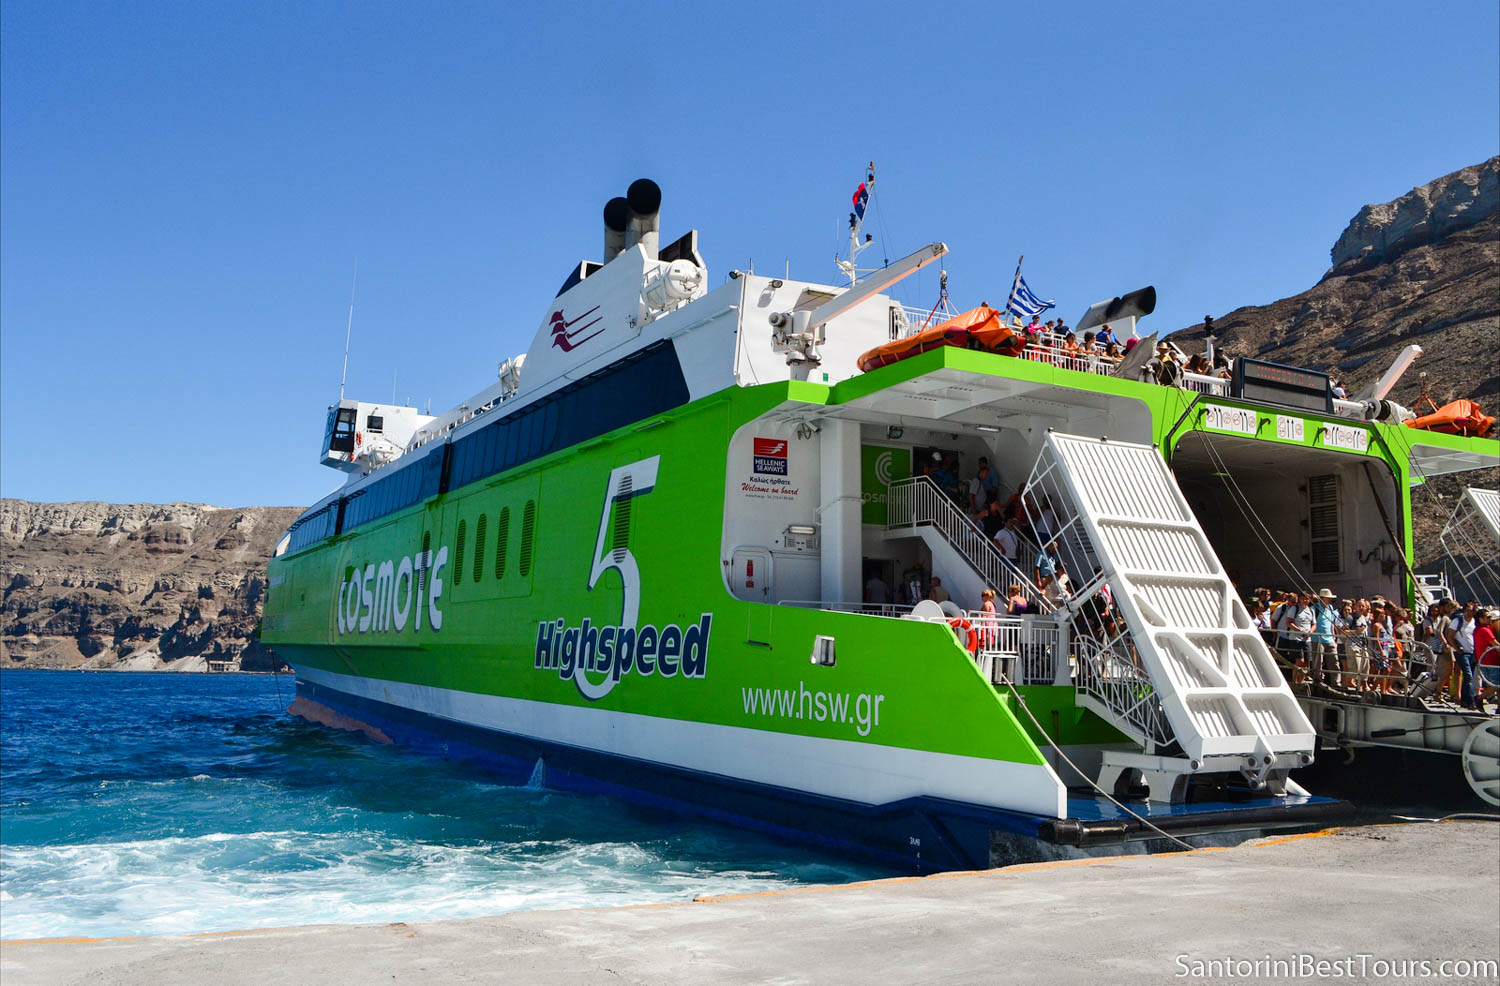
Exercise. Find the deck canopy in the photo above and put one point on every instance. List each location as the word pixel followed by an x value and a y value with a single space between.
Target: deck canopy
pixel 1432 460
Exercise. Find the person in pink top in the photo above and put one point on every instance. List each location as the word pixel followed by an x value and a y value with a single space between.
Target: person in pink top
pixel 989 629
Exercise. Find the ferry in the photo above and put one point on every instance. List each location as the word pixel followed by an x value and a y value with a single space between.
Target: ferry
pixel 673 553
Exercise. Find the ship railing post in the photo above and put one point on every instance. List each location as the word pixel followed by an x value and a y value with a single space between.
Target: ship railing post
pixel 1061 673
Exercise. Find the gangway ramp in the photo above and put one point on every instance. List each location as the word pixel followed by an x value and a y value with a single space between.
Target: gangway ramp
pixel 1472 540
pixel 1226 704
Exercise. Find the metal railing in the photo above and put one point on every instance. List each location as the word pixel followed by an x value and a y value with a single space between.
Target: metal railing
pixel 1109 674
pixel 1025 650
pixel 919 502
pixel 1050 348
pixel 1212 386
pixel 894 611
pixel 1365 665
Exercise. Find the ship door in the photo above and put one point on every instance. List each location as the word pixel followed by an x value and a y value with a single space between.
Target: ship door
pixel 750 575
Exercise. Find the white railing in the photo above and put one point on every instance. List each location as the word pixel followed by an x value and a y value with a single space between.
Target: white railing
pixel 910 321
pixel 1107 673
pixel 1212 386
pixel 918 502
pixel 1051 348
pixel 1025 650
pixel 894 611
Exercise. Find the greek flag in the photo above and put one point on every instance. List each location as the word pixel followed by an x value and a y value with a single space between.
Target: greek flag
pixel 1022 302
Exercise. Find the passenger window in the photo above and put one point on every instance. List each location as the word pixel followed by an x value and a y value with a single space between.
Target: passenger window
pixel 528 537
pixel 479 532
pixel 502 543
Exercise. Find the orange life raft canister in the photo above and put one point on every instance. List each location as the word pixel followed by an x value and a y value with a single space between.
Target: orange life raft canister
pixel 981 328
pixel 1457 418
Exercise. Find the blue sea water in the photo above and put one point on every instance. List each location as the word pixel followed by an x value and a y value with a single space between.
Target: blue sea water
pixel 141 804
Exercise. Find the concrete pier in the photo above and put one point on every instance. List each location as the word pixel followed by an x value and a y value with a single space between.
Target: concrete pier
pixel 1391 893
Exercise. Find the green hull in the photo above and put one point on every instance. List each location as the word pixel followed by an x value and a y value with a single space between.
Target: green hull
pixel 543 605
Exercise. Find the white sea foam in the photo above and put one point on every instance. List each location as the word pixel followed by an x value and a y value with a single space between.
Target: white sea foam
pixel 265 879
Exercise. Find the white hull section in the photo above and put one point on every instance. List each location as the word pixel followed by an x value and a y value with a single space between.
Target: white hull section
pixel 866 773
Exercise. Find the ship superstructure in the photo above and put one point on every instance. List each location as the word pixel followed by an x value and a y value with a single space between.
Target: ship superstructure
pixel 664 555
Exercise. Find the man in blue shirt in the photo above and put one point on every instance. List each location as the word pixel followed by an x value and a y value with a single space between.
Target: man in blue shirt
pixel 1105 337
pixel 1047 565
pixel 1325 655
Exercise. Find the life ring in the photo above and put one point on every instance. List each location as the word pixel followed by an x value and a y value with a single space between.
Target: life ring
pixel 964 630
pixel 359 438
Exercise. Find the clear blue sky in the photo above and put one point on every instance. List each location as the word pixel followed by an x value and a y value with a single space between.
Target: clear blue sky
pixel 185 187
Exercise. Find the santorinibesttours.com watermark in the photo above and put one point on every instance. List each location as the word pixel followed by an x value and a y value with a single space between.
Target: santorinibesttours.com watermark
pixel 1360 966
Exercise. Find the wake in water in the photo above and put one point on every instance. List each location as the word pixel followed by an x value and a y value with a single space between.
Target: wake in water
pixel 161 804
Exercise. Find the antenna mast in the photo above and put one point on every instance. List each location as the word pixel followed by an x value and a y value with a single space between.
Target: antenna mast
pixel 856 226
pixel 348 330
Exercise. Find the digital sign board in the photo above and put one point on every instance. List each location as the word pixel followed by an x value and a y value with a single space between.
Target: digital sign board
pixel 1285 386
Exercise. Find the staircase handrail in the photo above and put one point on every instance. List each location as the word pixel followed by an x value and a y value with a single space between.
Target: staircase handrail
pixel 1124 688
pixel 918 500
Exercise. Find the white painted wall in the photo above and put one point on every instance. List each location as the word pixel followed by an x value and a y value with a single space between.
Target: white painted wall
pixel 1279 499
pixel 758 507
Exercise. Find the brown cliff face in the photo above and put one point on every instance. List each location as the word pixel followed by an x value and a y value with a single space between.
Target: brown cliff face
pixel 134 587
pixel 1424 269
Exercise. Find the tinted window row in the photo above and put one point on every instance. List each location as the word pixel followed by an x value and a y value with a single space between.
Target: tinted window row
pixel 314 527
pixel 397 491
pixel 646 383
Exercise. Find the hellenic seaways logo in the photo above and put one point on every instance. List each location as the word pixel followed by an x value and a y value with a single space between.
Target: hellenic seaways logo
pixel 770 457
pixel 611 652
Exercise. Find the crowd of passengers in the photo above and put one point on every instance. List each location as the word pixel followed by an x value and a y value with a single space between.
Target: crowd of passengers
pixel 1099 352
pixel 1354 645
pixel 1376 646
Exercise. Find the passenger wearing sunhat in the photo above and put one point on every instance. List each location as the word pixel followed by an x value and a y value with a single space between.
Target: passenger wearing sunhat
pixel 1164 365
pixel 1325 653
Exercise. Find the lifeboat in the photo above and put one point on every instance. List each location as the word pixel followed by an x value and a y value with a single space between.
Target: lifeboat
pixel 1458 418
pixel 981 328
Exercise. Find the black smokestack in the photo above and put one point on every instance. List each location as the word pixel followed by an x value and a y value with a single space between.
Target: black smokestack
pixel 616 222
pixel 644 200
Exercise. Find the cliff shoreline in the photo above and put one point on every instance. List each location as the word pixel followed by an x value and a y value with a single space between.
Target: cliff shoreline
pixel 147 587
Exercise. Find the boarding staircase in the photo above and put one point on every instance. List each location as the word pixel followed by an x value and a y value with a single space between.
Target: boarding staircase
pixel 962 554
pixel 1187 677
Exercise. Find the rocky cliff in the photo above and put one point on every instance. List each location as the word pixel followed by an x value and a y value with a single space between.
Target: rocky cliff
pixel 134 587
pixel 1423 268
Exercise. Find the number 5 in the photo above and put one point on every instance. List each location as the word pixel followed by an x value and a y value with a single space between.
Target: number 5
pixel 625 483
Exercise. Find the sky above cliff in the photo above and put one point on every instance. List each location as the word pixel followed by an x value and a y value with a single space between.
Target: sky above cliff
pixel 185 189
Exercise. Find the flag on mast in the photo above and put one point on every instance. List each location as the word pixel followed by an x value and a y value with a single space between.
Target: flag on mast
pixel 1022 302
pixel 861 199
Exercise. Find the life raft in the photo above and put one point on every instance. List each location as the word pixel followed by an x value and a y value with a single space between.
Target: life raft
pixel 1458 418
pixel 981 328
